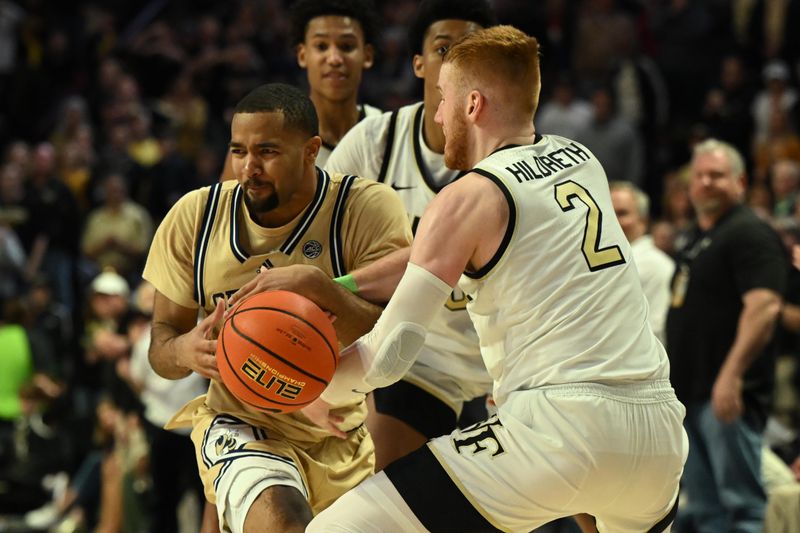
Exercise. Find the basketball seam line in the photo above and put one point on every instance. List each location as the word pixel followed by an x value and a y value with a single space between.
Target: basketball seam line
pixel 298 317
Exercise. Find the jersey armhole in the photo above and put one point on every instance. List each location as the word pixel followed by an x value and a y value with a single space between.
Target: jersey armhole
pixel 203 238
pixel 512 222
pixel 387 153
pixel 337 219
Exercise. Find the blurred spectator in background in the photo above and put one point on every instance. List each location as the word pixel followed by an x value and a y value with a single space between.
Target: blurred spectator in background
pixel 663 234
pixel 142 145
pixel 613 139
pixel 781 142
pixel 16 373
pixel 50 233
pixel 565 113
pixel 74 114
pixel 759 198
pixel 726 111
pixel 158 187
pixel 172 462
pixel 105 340
pixel 599 28
pixel 26 387
pixel 726 297
pixel 118 233
pixel 186 113
pixel 12 257
pixel 777 95
pixel 785 182
pixel 632 207
pixel 75 166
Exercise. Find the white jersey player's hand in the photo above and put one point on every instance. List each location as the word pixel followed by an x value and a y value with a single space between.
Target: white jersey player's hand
pixel 319 412
pixel 197 349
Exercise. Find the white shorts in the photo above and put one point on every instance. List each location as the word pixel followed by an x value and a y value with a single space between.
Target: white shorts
pixel 451 390
pixel 616 452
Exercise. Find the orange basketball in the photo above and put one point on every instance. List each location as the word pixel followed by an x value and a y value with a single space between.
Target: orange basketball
pixel 277 351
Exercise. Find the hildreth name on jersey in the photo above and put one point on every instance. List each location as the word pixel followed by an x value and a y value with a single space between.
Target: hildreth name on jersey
pixel 543 166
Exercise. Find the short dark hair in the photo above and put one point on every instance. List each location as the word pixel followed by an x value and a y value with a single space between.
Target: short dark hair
pixel 431 11
pixel 363 11
pixel 297 108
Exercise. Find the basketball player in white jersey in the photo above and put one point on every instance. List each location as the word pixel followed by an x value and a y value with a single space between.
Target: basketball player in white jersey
pixel 333 40
pixel 587 419
pixel 405 149
pixel 265 471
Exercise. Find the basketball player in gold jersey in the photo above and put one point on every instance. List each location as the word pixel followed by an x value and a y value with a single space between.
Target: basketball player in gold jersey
pixel 264 471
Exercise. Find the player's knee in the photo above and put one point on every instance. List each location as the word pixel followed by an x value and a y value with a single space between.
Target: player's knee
pixel 278 508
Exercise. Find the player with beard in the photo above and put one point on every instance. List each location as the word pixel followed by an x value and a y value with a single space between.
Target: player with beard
pixel 266 471
pixel 587 420
pixel 333 40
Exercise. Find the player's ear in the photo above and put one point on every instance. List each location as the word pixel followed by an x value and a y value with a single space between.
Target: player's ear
pixel 419 66
pixel 311 149
pixel 300 49
pixel 369 56
pixel 475 104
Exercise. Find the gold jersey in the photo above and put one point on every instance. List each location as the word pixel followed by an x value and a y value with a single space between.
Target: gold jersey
pixel 208 246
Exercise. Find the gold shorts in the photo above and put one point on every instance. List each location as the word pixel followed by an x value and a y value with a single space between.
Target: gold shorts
pixel 238 460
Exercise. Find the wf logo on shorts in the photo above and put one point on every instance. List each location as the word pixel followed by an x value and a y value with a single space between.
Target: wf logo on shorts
pixel 480 438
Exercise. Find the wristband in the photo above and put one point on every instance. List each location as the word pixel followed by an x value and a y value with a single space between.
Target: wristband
pixel 348 282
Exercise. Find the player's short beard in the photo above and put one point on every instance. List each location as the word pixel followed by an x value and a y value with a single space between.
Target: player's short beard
pixel 455 147
pixel 260 207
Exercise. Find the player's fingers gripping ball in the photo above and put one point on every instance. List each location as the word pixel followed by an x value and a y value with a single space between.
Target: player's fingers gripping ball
pixel 277 351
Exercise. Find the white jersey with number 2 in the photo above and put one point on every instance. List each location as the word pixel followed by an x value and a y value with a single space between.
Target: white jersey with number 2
pixel 565 305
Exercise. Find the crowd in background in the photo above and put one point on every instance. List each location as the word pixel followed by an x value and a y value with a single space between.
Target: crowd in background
pixel 110 111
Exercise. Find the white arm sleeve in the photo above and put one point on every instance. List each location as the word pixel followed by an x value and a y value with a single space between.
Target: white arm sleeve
pixel 384 355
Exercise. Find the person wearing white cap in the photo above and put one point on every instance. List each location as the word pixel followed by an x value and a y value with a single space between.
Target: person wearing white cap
pixel 108 304
pixel 111 284
pixel 777 89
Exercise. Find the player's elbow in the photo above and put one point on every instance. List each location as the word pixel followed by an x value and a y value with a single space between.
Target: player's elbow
pixel 397 353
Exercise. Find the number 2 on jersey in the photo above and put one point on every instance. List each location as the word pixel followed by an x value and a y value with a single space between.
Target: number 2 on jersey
pixel 567 192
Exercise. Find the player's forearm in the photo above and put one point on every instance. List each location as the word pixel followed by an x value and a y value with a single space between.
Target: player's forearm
pixel 755 329
pixel 790 317
pixel 376 282
pixel 354 315
pixel 163 353
pixel 384 355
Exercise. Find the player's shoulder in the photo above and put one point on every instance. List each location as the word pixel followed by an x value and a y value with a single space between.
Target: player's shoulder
pixel 376 124
pixel 196 200
pixel 476 186
pixel 371 111
pixel 360 186
pixel 372 124
pixel 363 192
